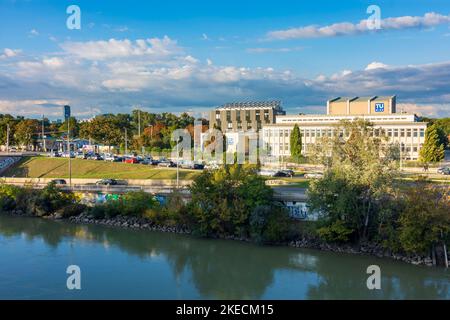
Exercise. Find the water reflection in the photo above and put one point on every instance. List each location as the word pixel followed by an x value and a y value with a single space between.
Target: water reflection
pixel 230 270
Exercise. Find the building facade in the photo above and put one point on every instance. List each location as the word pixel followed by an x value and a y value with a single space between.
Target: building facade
pixel 245 116
pixel 401 128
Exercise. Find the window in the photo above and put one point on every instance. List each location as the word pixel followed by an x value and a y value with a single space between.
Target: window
pixel 228 116
pixel 217 115
pixel 258 115
pixel 422 133
pixel 408 133
pixel 415 133
pixel 238 116
pixel 247 116
pixel 395 132
pixel 230 125
pixel 402 132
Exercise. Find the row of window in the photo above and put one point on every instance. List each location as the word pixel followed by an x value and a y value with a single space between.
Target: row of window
pixel 329 133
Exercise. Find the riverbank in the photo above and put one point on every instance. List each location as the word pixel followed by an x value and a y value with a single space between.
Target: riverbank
pixel 369 249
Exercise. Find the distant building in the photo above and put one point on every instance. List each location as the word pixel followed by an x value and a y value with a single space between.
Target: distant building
pixel 401 128
pixel 245 116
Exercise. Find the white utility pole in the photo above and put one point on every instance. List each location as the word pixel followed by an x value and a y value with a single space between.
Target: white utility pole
pixel 69 153
pixel 126 142
pixel 7 138
pixel 43 134
pixel 178 170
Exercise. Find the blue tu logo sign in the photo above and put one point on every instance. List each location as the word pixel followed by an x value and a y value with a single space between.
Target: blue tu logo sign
pixel 379 107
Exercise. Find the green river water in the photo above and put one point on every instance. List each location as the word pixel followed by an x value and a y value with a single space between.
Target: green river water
pixel 128 264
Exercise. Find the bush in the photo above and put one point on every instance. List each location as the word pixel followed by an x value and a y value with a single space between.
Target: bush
pixel 222 200
pixel 137 203
pixel 71 210
pixel 269 224
pixel 337 231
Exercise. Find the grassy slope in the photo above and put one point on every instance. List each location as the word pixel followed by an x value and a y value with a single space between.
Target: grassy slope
pixel 42 167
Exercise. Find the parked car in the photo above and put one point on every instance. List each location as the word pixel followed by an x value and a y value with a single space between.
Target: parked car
pixel 70 154
pixel 314 175
pixel 54 154
pixel 94 156
pixel 107 182
pixel 81 155
pixel 108 157
pixel 59 182
pixel 267 173
pixel 13 149
pixel 444 171
pixel 285 173
pixel 198 166
pixel 166 163
pixel 130 160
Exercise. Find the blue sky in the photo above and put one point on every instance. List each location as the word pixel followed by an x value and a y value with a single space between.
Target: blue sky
pixel 194 55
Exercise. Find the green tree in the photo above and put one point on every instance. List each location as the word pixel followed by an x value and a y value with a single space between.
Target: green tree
pixel 355 184
pixel 222 200
pixel 425 220
pixel 433 149
pixel 296 143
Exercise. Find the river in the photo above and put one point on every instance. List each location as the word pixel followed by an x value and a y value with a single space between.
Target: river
pixel 135 264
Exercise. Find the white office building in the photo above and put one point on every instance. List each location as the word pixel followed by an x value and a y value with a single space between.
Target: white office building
pixel 404 129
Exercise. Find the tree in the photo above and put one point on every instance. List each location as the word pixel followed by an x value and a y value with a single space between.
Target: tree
pixel 433 149
pixel 26 132
pixel 73 126
pixel 359 177
pixel 223 200
pixel 296 143
pixel 425 220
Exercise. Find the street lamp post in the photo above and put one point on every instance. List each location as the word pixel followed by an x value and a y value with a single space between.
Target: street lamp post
pixel 178 170
pixel 69 153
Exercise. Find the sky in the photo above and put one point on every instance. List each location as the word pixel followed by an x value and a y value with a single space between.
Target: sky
pixel 191 56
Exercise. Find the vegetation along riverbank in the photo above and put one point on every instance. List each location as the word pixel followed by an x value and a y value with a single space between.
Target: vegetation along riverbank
pixel 362 205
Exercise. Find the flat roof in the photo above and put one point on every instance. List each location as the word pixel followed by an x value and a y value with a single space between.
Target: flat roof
pixel 323 124
pixel 357 98
pixel 251 105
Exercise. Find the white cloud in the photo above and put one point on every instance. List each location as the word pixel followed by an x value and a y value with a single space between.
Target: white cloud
pixel 116 74
pixel 33 33
pixel 98 50
pixel 205 36
pixel 433 110
pixel 10 53
pixel 376 65
pixel 428 20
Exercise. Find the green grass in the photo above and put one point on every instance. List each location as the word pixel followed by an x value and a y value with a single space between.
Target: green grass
pixel 42 167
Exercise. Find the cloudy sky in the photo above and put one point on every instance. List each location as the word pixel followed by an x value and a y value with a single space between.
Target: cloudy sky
pixel 193 55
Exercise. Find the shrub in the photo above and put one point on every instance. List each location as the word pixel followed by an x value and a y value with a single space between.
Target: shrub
pixel 269 224
pixel 136 203
pixel 337 231
pixel 71 210
pixel 222 200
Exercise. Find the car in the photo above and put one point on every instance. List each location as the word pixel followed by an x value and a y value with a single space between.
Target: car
pixel 166 163
pixel 130 160
pixel 107 182
pixel 285 173
pixel 59 182
pixel 267 173
pixel 314 175
pixel 94 156
pixel 444 171
pixel 198 166
pixel 54 154
pixel 13 149
pixel 146 160
pixel 70 154
pixel 81 155
pixel 108 157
